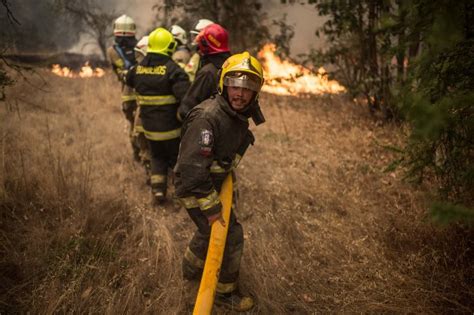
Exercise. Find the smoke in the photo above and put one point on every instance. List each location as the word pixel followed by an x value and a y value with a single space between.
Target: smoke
pixel 41 28
pixel 305 20
pixel 44 29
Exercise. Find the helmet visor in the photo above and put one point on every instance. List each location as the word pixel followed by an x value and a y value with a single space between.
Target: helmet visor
pixel 244 80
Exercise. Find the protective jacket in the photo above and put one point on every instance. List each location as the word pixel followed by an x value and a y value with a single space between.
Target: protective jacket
pixel 160 84
pixel 122 58
pixel 215 137
pixel 205 84
pixel 181 56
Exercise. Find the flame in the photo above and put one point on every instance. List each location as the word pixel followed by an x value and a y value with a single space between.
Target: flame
pixel 86 71
pixel 286 78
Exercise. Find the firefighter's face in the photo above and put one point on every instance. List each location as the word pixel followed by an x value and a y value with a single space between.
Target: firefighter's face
pixel 239 98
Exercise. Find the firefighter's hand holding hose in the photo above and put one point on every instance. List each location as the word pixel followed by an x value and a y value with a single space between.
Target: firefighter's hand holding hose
pixel 216 217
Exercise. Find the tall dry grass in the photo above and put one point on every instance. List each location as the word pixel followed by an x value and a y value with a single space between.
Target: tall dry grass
pixel 75 236
pixel 327 231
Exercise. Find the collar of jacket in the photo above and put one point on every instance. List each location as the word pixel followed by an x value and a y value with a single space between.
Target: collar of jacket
pixel 224 104
pixel 216 59
pixel 152 59
pixel 126 41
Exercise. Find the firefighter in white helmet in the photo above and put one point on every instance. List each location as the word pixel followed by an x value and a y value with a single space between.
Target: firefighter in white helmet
pixel 141 48
pixel 122 57
pixel 193 63
pixel 182 54
pixel 139 132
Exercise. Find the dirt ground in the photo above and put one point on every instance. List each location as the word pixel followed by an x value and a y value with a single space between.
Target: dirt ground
pixel 326 229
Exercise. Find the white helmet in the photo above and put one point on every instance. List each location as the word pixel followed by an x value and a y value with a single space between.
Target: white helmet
pixel 179 34
pixel 124 26
pixel 142 45
pixel 201 24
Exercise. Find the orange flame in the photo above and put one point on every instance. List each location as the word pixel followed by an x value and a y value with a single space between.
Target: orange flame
pixel 86 71
pixel 286 78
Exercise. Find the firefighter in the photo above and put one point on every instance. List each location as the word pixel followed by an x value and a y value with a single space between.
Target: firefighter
pixel 139 133
pixel 214 138
pixel 182 54
pixel 122 58
pixel 193 63
pixel 213 43
pixel 140 48
pixel 160 84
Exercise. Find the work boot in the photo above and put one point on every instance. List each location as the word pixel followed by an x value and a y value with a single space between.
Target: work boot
pixel 191 273
pixel 136 154
pixel 147 166
pixel 159 196
pixel 234 301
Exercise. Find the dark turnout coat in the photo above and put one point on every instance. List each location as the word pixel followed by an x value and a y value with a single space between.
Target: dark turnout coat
pixel 205 83
pixel 160 85
pixel 214 140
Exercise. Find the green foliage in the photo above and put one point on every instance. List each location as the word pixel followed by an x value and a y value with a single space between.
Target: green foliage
pixel 413 60
pixel 283 38
pixel 445 213
pixel 438 101
pixel 361 37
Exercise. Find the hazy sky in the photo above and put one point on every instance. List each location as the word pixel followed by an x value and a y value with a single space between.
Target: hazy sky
pixel 304 18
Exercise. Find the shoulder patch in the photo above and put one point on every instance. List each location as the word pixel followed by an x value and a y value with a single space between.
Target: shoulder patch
pixel 206 141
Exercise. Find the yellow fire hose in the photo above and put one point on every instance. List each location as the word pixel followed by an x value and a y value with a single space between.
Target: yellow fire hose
pixel 215 252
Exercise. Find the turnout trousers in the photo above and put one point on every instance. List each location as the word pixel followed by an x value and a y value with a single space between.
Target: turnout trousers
pixel 163 156
pixel 195 255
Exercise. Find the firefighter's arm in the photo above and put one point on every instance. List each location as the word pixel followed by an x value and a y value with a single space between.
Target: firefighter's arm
pixel 117 63
pixel 129 78
pixel 180 85
pixel 195 159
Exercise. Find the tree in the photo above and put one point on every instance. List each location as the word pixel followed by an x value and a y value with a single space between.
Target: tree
pixel 413 60
pixel 5 79
pixel 96 20
pixel 361 38
pixel 37 28
pixel 243 19
pixel 283 38
pixel 438 100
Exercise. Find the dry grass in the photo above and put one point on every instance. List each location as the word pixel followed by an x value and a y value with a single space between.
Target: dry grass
pixel 327 231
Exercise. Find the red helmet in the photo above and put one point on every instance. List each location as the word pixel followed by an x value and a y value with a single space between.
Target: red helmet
pixel 213 40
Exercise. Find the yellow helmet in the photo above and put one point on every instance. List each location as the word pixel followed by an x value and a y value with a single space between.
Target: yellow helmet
pixel 161 41
pixel 124 26
pixel 241 70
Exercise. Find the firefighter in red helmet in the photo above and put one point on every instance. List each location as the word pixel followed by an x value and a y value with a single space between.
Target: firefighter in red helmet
pixel 213 43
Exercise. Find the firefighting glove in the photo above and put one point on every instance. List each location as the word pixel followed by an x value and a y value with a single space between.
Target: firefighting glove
pixel 216 217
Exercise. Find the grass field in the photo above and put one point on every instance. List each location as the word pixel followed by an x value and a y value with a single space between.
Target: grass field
pixel 326 229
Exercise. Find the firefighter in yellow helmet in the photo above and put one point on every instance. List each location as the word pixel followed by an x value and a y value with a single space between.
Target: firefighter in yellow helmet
pixel 122 57
pixel 160 84
pixel 215 136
